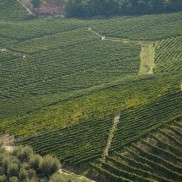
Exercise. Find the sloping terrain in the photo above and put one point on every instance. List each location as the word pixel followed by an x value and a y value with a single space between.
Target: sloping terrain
pixel 61 83
pixel 11 10
pixel 86 141
pixel 156 157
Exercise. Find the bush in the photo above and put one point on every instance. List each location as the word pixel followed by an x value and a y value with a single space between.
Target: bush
pixel 3 178
pixel 49 165
pixel 57 178
pixel 13 179
pixel 13 169
pixel 35 161
pixel 23 153
pixel 23 174
pixel 23 166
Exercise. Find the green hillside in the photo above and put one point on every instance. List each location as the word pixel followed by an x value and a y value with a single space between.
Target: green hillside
pixel 11 10
pixel 62 80
pixel 153 158
pixel 90 136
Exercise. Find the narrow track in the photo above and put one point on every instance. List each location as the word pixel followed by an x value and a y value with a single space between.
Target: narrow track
pixel 147 54
pixel 27 9
pixel 111 134
pixel 12 52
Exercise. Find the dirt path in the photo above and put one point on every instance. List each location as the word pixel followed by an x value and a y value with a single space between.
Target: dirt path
pixel 147 57
pixel 97 33
pixel 111 134
pixel 13 52
pixel 27 9
pixel 103 37
pixel 74 177
pixel 7 142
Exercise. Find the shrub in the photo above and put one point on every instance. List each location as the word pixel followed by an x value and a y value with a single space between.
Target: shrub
pixel 49 165
pixel 23 174
pixel 23 153
pixel 57 178
pixel 3 178
pixel 35 161
pixel 13 169
pixel 13 179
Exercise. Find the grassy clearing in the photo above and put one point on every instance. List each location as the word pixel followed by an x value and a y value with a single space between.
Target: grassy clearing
pixel 147 57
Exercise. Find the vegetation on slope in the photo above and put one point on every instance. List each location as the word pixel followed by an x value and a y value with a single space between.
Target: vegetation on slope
pixel 11 10
pixel 169 55
pixel 47 85
pixel 86 106
pixel 86 141
pixel 62 83
pixel 89 8
pixel 22 164
pixel 157 157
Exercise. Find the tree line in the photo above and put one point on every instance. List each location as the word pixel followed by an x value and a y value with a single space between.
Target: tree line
pixel 90 8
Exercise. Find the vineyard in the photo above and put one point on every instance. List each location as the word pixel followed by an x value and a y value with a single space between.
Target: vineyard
pixel 156 157
pixel 169 55
pixel 59 72
pixel 148 27
pixel 99 102
pixel 11 10
pixel 62 80
pixel 85 141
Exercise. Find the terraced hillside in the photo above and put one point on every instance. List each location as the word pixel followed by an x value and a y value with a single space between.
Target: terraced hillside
pixel 86 141
pixel 156 157
pixel 62 80
pixel 169 55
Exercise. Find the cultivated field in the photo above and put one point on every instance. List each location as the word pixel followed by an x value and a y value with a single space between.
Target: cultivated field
pixel 62 81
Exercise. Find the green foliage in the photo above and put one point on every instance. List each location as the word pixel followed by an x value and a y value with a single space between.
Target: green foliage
pixel 135 122
pixel 58 53
pixel 169 55
pixel 16 167
pixel 89 8
pixel 36 3
pixel 35 161
pixel 148 27
pixel 11 10
pixel 3 178
pixel 57 73
pixel 49 165
pixel 23 153
pixel 13 179
pixel 145 160
pixel 57 178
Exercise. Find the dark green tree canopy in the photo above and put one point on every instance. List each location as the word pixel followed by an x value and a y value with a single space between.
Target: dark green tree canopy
pixel 89 8
pixel 36 3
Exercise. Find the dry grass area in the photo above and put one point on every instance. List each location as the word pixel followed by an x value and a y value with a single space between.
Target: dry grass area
pixel 147 58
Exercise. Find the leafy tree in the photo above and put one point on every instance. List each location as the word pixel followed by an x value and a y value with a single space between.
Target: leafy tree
pixel 89 8
pixel 49 165
pixel 36 4
pixel 23 165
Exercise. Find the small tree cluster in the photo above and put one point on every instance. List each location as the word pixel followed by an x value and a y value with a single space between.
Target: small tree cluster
pixel 23 165
pixel 36 4
pixel 89 8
